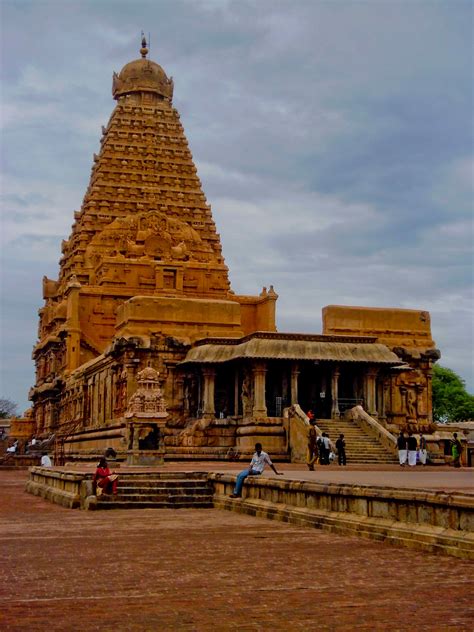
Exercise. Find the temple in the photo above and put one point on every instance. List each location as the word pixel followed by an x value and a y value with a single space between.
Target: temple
pixel 144 347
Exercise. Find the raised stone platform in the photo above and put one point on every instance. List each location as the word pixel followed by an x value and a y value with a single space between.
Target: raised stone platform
pixel 430 520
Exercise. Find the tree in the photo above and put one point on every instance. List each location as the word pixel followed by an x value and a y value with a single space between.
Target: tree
pixel 451 401
pixel 7 408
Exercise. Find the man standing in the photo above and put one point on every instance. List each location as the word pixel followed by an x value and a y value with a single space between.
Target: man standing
pixel 341 450
pixel 312 448
pixel 257 465
pixel 423 450
pixel 402 448
pixel 412 445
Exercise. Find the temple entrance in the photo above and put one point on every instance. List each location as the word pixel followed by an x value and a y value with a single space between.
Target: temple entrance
pixel 350 387
pixel 277 388
pixel 314 388
pixel 224 394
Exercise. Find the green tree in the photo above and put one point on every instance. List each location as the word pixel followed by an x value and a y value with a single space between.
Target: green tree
pixel 451 401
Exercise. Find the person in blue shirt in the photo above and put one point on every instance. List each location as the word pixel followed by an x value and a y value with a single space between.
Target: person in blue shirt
pixel 257 465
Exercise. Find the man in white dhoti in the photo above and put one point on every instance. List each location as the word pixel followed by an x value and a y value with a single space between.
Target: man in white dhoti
pixel 412 445
pixel 402 448
pixel 423 452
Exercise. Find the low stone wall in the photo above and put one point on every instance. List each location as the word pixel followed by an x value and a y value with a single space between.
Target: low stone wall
pixel 419 519
pixel 58 486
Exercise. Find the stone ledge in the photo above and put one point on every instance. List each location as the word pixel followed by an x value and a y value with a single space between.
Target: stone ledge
pixel 421 537
pixel 71 500
pixel 439 522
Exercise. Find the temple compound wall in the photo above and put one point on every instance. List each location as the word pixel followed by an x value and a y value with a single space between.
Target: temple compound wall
pixel 143 285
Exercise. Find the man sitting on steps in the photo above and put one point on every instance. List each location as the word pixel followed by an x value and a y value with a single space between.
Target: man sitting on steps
pixel 257 465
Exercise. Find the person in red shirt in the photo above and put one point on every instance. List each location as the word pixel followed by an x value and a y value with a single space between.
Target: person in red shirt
pixel 104 479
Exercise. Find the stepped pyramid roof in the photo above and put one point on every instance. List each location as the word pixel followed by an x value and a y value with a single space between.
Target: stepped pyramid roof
pixel 144 201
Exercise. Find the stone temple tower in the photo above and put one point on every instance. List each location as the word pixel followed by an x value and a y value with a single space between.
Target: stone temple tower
pixel 143 258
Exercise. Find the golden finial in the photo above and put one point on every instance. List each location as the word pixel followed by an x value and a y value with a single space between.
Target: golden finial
pixel 143 49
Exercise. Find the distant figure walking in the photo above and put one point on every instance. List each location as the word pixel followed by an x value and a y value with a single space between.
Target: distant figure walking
pixel 312 455
pixel 423 452
pixel 456 450
pixel 412 445
pixel 341 450
pixel 402 448
pixel 257 465
pixel 105 480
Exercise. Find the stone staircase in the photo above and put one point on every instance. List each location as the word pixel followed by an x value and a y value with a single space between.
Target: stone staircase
pixel 171 490
pixel 361 447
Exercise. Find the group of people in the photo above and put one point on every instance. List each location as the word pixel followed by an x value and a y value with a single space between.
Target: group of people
pixel 411 449
pixel 321 449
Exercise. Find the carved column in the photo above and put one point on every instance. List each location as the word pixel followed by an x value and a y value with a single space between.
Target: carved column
pixel 429 393
pixel 209 374
pixel 294 383
pixel 236 392
pixel 371 393
pixel 335 412
pixel 73 340
pixel 259 371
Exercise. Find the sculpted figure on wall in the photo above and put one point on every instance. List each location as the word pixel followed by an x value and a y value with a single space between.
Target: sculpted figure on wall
pixel 247 403
pixel 151 234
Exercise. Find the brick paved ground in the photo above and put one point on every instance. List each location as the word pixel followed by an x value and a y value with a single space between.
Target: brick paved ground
pixel 196 570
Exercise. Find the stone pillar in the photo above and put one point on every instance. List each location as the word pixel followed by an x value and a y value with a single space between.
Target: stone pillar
pixel 294 383
pixel 371 385
pixel 73 340
pixel 429 393
pixel 236 392
pixel 259 405
pixel 335 412
pixel 209 374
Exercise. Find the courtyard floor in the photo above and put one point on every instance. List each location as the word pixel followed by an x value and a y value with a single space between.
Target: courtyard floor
pixel 199 570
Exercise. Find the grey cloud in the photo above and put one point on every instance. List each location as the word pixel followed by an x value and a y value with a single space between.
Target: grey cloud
pixel 341 134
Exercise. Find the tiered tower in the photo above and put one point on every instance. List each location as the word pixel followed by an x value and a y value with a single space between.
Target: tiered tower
pixel 144 255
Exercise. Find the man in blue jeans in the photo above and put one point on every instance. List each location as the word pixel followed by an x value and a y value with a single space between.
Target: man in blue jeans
pixel 257 465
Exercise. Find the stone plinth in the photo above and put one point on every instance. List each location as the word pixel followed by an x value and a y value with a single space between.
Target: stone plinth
pixel 269 432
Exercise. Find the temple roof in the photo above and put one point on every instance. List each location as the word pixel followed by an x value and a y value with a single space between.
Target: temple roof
pixel 289 347
pixel 142 75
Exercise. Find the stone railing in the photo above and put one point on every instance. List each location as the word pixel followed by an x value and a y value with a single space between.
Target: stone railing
pixel 434 521
pixel 297 425
pixel 59 486
pixel 386 438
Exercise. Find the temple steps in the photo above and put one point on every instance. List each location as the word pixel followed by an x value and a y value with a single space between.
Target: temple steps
pixel 361 447
pixel 157 492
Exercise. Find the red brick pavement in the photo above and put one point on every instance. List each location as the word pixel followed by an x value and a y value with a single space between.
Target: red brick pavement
pixel 199 570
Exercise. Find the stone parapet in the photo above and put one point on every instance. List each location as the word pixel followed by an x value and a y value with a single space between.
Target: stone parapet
pixel 57 486
pixel 430 521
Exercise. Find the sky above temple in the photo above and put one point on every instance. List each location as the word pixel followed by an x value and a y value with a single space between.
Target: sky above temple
pixel 333 139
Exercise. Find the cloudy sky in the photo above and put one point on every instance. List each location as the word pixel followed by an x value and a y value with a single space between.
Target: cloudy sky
pixel 334 141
